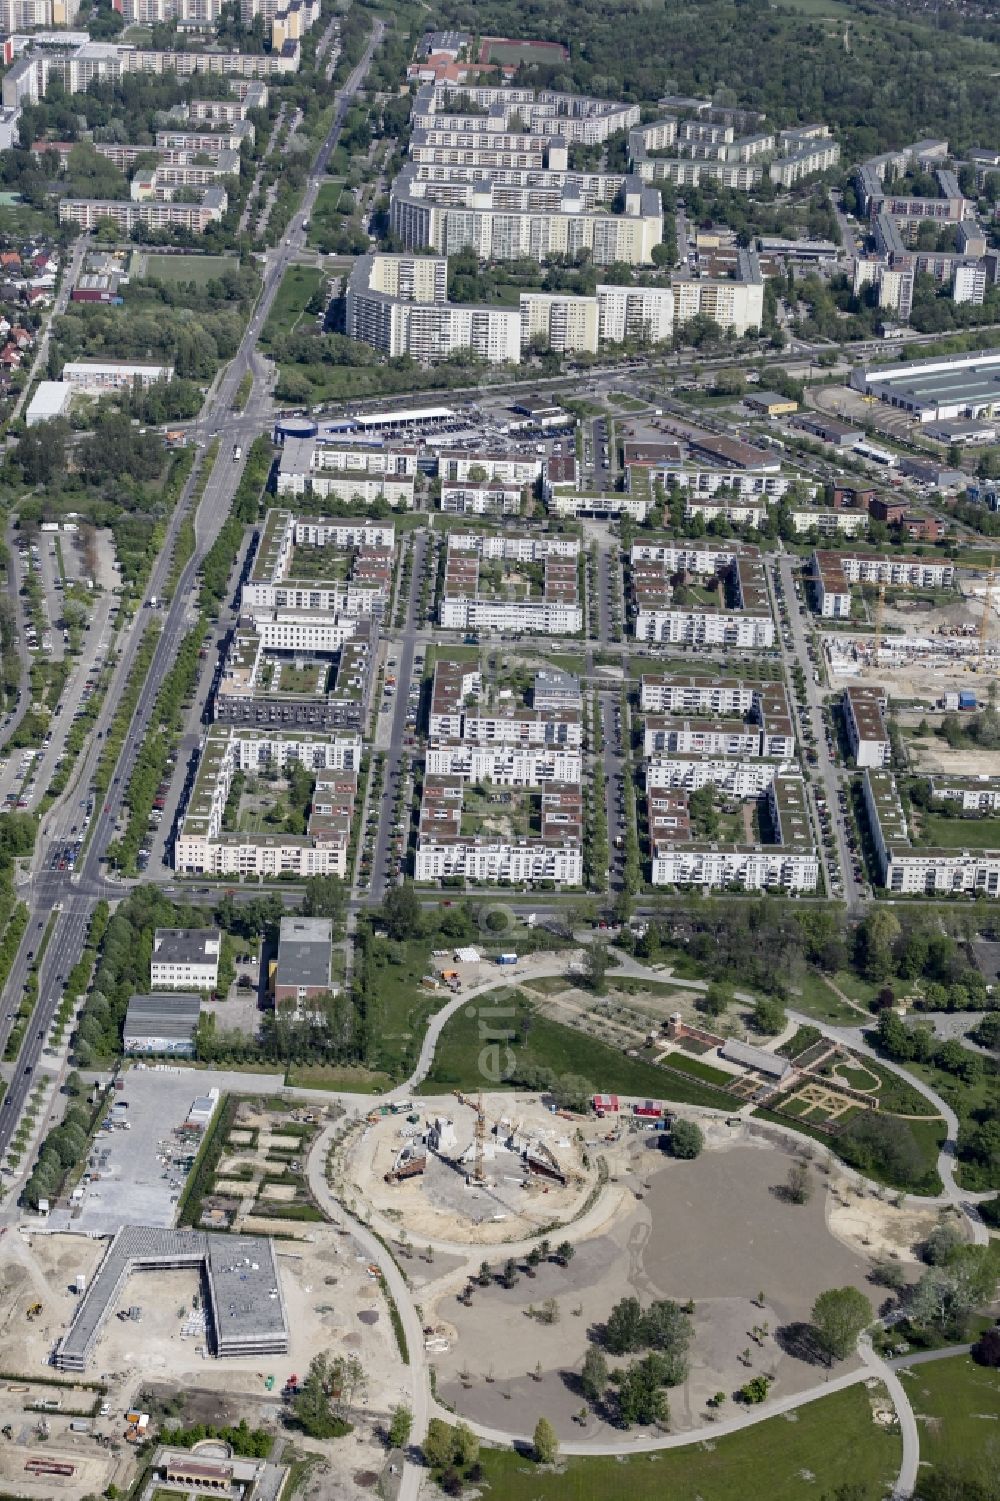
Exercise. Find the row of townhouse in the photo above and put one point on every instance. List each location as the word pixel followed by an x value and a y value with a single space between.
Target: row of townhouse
pixel 451 843
pixel 916 870
pixel 205 847
pixel 347 472
pixel 834 573
pixel 789 864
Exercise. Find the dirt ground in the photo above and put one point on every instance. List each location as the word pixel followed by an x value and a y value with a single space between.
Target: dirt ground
pixel 441 1205
pixel 876 1227
pixel 713 1231
pixel 333 1305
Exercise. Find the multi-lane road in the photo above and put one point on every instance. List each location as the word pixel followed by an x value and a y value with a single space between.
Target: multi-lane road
pixel 69 897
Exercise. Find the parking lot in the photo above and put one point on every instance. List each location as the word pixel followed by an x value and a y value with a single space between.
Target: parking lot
pixel 140 1159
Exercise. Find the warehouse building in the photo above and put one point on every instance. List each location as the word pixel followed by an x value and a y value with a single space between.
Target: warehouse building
pixel 161 1024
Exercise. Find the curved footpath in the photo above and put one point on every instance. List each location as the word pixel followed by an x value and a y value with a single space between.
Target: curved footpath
pixel 425 1407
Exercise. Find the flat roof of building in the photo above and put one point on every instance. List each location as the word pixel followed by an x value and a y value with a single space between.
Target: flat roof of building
pixel 163 1016
pixel 186 945
pixel 305 946
pixel 245 1305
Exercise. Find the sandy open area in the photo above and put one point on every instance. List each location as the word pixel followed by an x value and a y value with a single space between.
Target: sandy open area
pixel 713 1231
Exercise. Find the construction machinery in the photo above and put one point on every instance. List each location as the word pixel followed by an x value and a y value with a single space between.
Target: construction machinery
pixel 34 1310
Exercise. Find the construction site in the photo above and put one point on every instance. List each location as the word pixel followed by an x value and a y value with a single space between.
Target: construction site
pixel 923 647
pixel 471 1169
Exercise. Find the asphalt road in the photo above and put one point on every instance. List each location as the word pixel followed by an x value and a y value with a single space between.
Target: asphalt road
pixel 407 643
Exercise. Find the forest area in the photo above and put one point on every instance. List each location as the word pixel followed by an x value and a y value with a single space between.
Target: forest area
pixel 896 84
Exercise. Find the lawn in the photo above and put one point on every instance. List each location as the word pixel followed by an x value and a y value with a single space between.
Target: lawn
pixel 832 1440
pixel 551 1045
pixel 815 998
pixel 957 1404
pixel 405 1006
pixel 300 283
pixel 183 268
pixel 961 833
pixel 329 1076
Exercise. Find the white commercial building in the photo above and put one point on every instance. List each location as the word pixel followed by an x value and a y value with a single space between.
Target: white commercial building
pixel 185 959
pixel 51 399
pixel 95 376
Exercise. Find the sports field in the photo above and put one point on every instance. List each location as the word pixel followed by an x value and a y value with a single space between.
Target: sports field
pixel 198 268
pixel 504 51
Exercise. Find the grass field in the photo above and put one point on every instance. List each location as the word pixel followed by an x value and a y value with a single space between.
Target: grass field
pixel 957 1404
pixel 816 999
pixel 511 53
pixel 197 268
pixel 328 1076
pixel 961 833
pixel 832 1441
pixel 551 1045
pixel 289 307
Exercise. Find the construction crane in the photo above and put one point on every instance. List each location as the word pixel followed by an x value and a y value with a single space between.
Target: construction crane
pixel 879 607
pixel 479 1160
pixel 984 619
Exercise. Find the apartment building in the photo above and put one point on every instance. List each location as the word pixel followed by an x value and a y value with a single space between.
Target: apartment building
pixel 556 321
pixel 305 962
pixel 545 112
pixel 686 772
pixel 831 524
pixel 451 841
pixel 730 737
pixel 834 573
pixel 643 315
pixel 761 709
pixel 361 553
pixel 910 869
pixel 864 708
pixel 323 689
pixel 500 222
pixel 489 497
pixel 504 765
pixel 509 468
pixel 185 959
pixel 972 794
pixel 744 620
pixel 204 846
pixel 523 584
pixel 398 304
pixel 309 467
pixel 458 713
pixel 34 15
pixel 701 483
pixel 736 302
pixel 94 377
pixel 153 214
pixel 684 172
pixel 77 66
pixel 805 154
pixel 790 864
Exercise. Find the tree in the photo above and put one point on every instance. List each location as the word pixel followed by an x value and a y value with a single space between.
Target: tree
pixel 946 1296
pixel 640 1397
pixel 623 1331
pixel 402 913
pixel 798 1188
pixel 545 1443
pixel 312 1405
pixel 594 1376
pixel 400 1426
pixel 564 1252
pixel 768 1016
pixel 686 1140
pixel 838 1317
pixel 439 1444
pixel 595 966
pixel 986 1350
pixel 755 1390
pixel 465 1450
pixel 877 936
pixel 714 1002
pixel 939 1246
